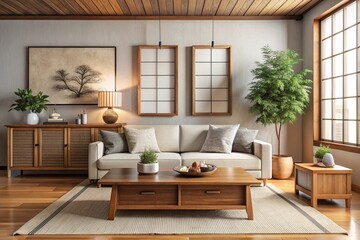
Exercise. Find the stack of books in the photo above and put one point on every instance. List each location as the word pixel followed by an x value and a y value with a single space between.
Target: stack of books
pixel 55 121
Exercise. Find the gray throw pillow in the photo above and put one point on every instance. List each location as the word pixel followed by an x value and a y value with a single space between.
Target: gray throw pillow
pixel 244 139
pixel 114 142
pixel 141 139
pixel 220 139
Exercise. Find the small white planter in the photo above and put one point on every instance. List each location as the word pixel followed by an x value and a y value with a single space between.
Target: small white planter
pixel 32 118
pixel 150 168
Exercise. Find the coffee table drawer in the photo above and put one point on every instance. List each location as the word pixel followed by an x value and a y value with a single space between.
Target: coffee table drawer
pixel 147 195
pixel 213 195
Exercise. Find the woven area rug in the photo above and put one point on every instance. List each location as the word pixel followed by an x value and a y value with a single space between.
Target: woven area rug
pixel 83 210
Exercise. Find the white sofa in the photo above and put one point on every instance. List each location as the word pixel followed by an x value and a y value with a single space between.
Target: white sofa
pixel 180 145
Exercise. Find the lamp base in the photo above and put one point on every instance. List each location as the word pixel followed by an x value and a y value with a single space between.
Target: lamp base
pixel 110 116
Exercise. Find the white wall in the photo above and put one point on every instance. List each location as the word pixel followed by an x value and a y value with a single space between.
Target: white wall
pixel 246 38
pixel 343 158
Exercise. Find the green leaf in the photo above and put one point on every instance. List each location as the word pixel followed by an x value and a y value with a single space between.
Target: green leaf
pixel 278 93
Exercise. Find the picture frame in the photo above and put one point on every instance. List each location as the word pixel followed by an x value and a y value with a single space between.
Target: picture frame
pixel 158 80
pixel 211 80
pixel 72 75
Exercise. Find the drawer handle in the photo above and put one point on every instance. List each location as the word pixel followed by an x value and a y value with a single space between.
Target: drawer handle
pixel 212 192
pixel 147 193
pixel 36 145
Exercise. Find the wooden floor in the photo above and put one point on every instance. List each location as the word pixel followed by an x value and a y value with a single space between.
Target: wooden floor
pixel 21 198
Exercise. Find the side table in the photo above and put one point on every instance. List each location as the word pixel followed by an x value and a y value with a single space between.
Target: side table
pixel 323 183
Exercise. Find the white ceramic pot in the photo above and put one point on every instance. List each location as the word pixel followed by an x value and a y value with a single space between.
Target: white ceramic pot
pixel 150 168
pixel 32 118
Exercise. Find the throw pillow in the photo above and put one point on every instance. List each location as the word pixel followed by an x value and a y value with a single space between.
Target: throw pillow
pixel 141 139
pixel 219 139
pixel 244 139
pixel 114 142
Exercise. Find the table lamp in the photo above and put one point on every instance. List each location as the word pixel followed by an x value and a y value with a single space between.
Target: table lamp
pixel 110 100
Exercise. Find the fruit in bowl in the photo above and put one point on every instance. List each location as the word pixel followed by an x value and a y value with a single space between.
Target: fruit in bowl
pixel 206 167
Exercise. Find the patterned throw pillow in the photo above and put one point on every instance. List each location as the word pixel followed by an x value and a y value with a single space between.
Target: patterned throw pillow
pixel 141 139
pixel 114 142
pixel 220 139
pixel 244 139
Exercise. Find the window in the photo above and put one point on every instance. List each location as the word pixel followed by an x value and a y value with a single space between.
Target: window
pixel 340 76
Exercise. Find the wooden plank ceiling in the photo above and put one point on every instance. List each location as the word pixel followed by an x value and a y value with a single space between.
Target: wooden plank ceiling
pixel 152 9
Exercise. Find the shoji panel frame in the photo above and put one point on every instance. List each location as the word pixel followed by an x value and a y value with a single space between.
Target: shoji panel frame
pixel 156 75
pixel 211 75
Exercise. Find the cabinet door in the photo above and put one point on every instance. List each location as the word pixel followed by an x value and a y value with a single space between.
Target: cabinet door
pixel 78 144
pixel 22 147
pixel 53 146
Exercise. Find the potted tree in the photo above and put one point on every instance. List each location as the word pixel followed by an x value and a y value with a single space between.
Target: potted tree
pixel 278 95
pixel 148 162
pixel 28 102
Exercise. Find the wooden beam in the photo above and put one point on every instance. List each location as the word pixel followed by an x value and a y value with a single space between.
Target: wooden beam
pixel 147 7
pixel 257 7
pixel 272 7
pixel 245 7
pixel 191 8
pixel 123 17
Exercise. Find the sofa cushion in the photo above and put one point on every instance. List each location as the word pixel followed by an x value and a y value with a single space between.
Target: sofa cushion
pixel 220 139
pixel 167 136
pixel 167 160
pixel 114 142
pixel 244 139
pixel 234 159
pixel 140 140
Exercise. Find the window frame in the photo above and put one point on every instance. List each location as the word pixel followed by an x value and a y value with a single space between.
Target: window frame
pixel 317 79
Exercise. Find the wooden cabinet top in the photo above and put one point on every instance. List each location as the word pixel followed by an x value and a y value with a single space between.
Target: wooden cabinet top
pixel 313 168
pixel 90 125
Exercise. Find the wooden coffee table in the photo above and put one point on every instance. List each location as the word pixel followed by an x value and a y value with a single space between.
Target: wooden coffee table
pixel 227 188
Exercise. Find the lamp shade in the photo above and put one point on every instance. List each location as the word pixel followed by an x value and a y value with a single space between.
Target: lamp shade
pixel 109 99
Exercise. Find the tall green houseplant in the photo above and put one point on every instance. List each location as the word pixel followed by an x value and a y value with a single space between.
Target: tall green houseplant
pixel 278 93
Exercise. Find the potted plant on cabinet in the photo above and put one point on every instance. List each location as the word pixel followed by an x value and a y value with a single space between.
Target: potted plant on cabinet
pixel 278 95
pixel 28 102
pixel 148 163
pixel 321 151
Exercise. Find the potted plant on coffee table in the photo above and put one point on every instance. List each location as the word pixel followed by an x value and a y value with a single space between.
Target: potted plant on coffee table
pixel 30 103
pixel 278 95
pixel 148 162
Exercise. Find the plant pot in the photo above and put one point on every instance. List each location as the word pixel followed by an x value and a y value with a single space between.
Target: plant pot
pixel 282 166
pixel 32 118
pixel 149 168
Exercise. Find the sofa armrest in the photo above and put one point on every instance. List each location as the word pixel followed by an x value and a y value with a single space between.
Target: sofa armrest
pixel 263 150
pixel 96 151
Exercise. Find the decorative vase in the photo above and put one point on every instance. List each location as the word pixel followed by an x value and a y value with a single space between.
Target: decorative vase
pixel 282 166
pixel 32 118
pixel 148 168
pixel 328 160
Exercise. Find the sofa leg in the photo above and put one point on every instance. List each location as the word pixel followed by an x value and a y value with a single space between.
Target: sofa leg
pixel 264 181
pixel 99 185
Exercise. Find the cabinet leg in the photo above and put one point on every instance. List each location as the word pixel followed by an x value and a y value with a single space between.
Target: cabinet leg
pixel 314 202
pixel 9 173
pixel 348 202
pixel 297 192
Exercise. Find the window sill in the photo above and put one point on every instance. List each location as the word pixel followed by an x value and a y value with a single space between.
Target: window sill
pixel 338 146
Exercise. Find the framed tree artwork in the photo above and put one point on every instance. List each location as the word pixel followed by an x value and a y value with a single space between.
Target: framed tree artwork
pixel 72 75
pixel 211 80
pixel 158 83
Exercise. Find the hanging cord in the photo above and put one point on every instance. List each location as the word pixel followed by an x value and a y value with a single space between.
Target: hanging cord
pixel 212 25
pixel 160 44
